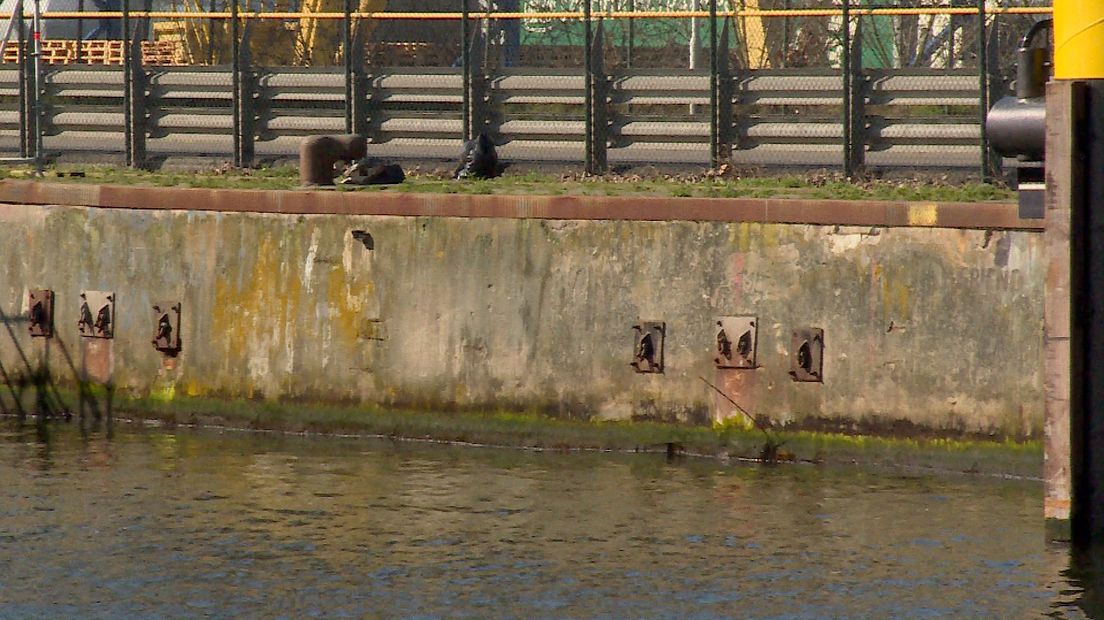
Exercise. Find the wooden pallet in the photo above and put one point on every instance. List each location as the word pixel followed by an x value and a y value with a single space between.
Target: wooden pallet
pixel 408 53
pixel 162 53
pixel 55 52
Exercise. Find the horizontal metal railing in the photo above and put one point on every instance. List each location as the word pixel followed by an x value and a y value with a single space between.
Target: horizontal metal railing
pixel 781 116
pixel 843 115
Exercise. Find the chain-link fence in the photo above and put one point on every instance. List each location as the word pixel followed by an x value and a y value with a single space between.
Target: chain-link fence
pixel 852 84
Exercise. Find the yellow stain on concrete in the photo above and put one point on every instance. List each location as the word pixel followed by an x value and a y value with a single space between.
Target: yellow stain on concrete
pixel 769 236
pixel 896 295
pixel 345 305
pixel 250 320
pixel 923 214
pixel 743 234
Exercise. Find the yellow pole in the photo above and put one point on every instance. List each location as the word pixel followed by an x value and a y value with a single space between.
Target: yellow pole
pixel 1078 39
pixel 754 35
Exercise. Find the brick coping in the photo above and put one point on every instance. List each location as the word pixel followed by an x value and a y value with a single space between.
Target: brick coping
pixel 969 215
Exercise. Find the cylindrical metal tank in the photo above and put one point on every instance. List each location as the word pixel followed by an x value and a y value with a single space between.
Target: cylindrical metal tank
pixel 1017 127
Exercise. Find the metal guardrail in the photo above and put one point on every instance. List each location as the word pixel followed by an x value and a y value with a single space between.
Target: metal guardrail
pixel 841 114
pixel 921 118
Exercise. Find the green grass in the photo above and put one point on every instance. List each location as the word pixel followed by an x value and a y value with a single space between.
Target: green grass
pixel 531 430
pixel 812 186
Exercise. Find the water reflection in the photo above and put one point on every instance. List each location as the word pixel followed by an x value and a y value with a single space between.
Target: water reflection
pixel 155 523
pixel 1081 587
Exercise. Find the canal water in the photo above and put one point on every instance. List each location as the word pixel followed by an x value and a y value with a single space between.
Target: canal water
pixel 154 523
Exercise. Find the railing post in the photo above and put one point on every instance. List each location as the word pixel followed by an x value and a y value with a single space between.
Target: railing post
pixel 994 84
pixel 347 57
pixel 350 73
pixel 477 86
pixel 235 83
pixel 853 97
pixel 845 70
pixel 359 94
pixel 39 88
pixel 785 33
pixel 588 94
pixel 600 107
pixel 247 100
pixel 242 86
pixel 596 96
pixel 720 94
pixel 128 80
pixel 714 126
pixel 211 34
pixel 983 92
pixel 80 33
pixel 27 123
pixel 137 108
pixel 465 64
pixel 632 36
pixel 855 143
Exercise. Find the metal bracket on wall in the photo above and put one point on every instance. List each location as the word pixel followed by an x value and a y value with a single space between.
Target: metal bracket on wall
pixel 648 339
pixel 166 327
pixel 737 342
pixel 41 313
pixel 97 314
pixel 807 355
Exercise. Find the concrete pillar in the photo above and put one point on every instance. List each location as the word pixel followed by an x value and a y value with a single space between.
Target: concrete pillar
pixel 1074 324
pixel 1056 311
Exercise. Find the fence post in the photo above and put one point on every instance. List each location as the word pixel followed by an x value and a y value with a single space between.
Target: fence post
pixel 588 92
pixel 347 57
pixel 128 94
pixel 994 84
pixel 27 124
pixel 714 100
pixel 235 83
pixel 720 94
pixel 80 33
pixel 983 92
pixel 359 95
pixel 39 88
pixel 856 111
pixel 477 85
pixel 242 87
pixel 247 100
pixel 853 98
pixel 632 35
pixel 211 34
pixel 465 64
pixel 597 95
pixel 137 108
pixel 785 33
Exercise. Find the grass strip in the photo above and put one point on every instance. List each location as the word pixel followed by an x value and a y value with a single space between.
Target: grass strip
pixel 820 185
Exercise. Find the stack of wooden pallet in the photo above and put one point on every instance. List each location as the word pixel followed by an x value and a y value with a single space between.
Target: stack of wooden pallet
pixel 408 53
pixel 99 52
pixel 162 53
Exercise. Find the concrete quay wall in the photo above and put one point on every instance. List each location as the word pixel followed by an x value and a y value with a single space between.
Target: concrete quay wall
pixel 932 313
